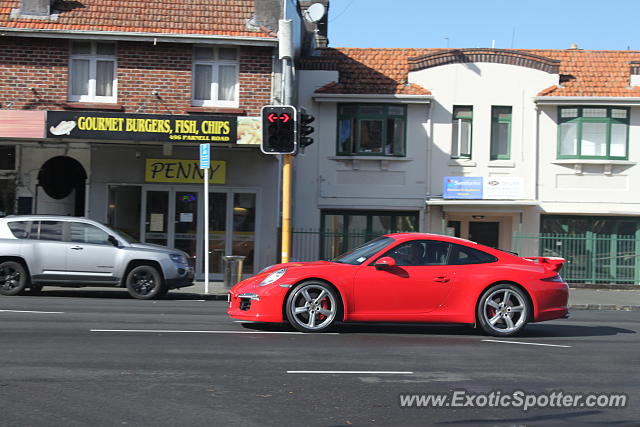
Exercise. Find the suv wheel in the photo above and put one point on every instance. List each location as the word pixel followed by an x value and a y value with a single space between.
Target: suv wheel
pixel 145 282
pixel 13 278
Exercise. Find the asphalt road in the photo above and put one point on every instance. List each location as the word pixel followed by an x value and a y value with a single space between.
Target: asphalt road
pixel 79 358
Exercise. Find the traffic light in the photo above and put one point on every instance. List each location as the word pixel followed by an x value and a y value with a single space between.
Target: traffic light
pixel 305 129
pixel 279 133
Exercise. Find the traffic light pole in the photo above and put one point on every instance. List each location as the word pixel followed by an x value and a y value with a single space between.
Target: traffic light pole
pixel 286 207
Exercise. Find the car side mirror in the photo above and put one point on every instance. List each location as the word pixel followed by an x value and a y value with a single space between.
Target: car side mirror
pixel 113 241
pixel 385 263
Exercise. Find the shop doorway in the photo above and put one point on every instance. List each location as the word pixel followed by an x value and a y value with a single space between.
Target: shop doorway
pixel 172 216
pixel 485 232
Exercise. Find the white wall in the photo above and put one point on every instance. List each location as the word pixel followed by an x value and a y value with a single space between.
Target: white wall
pixel 484 85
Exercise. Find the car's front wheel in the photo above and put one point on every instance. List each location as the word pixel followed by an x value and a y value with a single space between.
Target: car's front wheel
pixel 13 278
pixel 145 282
pixel 313 306
pixel 503 310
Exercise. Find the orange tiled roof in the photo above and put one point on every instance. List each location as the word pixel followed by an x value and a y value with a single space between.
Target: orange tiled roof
pixel 583 72
pixel 201 17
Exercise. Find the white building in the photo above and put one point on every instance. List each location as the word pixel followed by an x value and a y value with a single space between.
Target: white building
pixel 485 144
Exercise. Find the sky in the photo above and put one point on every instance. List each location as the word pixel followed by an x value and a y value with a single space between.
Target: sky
pixel 517 24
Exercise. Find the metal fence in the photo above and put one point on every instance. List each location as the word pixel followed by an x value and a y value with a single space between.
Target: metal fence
pixel 312 244
pixel 591 258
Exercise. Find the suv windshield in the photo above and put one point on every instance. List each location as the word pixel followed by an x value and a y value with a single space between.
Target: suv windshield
pixel 362 253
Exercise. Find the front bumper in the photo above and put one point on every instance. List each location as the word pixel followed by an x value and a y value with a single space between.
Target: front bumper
pixel 184 278
pixel 248 301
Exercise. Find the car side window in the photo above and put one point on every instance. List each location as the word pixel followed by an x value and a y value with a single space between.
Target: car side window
pixel 51 230
pixel 461 255
pixel 420 253
pixel 20 229
pixel 80 232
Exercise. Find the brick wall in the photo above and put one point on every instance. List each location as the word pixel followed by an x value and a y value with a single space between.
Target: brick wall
pixel 42 64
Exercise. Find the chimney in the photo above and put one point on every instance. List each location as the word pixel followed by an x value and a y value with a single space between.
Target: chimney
pixel 35 7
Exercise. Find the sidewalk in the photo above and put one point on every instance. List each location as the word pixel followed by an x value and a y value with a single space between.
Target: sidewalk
pixel 579 299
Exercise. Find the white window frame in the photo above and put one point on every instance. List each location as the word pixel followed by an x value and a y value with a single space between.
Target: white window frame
pixel 215 77
pixel 93 58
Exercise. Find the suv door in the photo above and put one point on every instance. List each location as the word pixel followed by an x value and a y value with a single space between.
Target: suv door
pixel 90 255
pixel 49 260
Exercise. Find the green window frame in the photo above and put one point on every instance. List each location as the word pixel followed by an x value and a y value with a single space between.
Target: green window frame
pixel 501 132
pixel 461 131
pixel 371 130
pixel 593 132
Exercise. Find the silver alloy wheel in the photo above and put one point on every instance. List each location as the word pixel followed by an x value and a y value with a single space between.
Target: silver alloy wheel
pixel 10 278
pixel 313 307
pixel 505 311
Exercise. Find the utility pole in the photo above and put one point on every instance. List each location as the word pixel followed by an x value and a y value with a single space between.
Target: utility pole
pixel 285 44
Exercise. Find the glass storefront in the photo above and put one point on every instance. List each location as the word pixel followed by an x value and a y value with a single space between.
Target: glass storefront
pixel 173 217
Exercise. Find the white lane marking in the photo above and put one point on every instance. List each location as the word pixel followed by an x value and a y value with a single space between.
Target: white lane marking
pixel 27 311
pixel 161 331
pixel 529 343
pixel 353 372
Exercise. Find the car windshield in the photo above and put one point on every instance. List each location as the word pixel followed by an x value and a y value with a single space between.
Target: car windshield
pixel 362 253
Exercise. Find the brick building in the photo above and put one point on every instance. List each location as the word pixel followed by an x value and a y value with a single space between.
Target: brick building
pixel 103 105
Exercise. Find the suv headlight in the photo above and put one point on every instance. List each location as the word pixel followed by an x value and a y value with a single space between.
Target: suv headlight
pixel 273 277
pixel 178 259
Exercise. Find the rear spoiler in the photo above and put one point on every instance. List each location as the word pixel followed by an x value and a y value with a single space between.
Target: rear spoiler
pixel 551 263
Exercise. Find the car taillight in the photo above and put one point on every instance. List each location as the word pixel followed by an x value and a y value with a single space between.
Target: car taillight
pixel 556 278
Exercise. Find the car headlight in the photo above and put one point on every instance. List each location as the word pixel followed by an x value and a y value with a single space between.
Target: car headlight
pixel 273 277
pixel 178 258
pixel 265 269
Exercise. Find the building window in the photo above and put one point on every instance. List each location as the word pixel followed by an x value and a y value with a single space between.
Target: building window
pixel 215 76
pixel 92 72
pixel 371 129
pixel 342 230
pixel 593 132
pixel 500 133
pixel 462 120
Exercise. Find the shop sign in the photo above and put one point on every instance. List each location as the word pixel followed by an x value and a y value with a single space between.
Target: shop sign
pixel 462 187
pixel 184 171
pixel 141 127
pixel 503 188
pixel 482 188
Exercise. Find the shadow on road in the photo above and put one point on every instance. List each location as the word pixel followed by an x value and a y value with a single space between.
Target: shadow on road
pixel 109 293
pixel 532 331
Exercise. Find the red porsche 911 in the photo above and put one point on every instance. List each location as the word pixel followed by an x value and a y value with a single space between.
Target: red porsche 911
pixel 408 277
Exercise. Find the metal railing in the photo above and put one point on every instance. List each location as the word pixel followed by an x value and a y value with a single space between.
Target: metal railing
pixel 591 258
pixel 312 244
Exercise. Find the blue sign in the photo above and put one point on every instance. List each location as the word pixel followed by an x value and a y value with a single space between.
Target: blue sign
pixel 462 187
pixel 205 151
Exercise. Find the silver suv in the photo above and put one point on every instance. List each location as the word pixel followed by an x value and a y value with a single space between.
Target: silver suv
pixel 68 251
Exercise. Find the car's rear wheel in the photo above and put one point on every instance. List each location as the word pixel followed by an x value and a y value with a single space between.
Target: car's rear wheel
pixel 145 282
pixel 13 278
pixel 503 310
pixel 313 306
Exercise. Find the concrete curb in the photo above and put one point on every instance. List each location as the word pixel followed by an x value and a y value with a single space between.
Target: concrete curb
pixel 604 287
pixel 603 307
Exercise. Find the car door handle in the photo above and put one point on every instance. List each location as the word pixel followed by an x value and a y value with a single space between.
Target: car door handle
pixel 77 248
pixel 441 279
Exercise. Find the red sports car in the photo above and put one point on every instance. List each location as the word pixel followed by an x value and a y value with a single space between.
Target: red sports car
pixel 408 277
